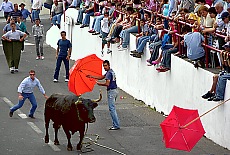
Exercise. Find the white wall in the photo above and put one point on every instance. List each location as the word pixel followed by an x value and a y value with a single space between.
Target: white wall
pixel 182 86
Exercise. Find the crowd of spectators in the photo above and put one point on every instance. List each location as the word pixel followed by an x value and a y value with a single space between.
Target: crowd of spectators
pixel 186 28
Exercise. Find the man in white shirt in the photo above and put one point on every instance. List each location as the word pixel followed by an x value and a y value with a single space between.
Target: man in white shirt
pixel 12 45
pixel 36 7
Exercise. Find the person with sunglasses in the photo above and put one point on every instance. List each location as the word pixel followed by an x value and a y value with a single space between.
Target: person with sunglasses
pixel 25 90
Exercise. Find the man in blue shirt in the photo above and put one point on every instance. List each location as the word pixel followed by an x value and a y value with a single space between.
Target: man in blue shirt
pixel 25 90
pixel 63 53
pixel 112 92
pixel 7 7
pixel 25 13
pixel 193 42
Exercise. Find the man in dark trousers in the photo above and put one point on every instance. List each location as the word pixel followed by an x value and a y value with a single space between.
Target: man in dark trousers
pixel 63 53
pixel 112 92
pixel 25 90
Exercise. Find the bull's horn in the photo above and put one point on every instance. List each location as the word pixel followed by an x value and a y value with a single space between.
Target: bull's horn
pixel 78 101
pixel 98 100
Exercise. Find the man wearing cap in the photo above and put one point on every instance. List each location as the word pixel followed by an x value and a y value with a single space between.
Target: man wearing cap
pixel 25 13
pixel 7 7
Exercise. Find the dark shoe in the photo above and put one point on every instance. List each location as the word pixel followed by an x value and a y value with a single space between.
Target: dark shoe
pixel 137 55
pixel 216 99
pixel 91 31
pixel 82 26
pixel 100 36
pixel 211 98
pixel 78 23
pixel 11 114
pixel 207 95
pixel 134 52
pixel 96 33
pixel 113 128
pixel 31 116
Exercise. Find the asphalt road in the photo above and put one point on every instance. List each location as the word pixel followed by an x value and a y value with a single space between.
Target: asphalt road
pixel 140 133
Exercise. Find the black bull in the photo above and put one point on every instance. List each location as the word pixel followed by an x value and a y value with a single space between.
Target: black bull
pixel 71 112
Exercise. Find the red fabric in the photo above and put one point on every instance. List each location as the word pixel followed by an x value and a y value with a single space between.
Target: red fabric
pixel 78 82
pixel 181 138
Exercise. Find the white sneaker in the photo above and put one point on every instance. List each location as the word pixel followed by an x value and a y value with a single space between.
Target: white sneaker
pixel 11 69
pixel 66 80
pixel 16 70
pixel 55 80
pixel 122 49
pixel 37 58
pixel 42 57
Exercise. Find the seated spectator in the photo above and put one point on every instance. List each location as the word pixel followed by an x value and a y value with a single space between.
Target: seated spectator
pixel 83 8
pixel 216 93
pixel 156 44
pixel 130 28
pixel 193 41
pixel 89 12
pixel 56 13
pixel 148 34
pixel 125 22
pixel 96 28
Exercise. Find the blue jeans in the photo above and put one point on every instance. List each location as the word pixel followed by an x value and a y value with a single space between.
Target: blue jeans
pixel 97 25
pixel 141 42
pixel 32 99
pixel 56 19
pixel 112 95
pixel 126 35
pixel 58 66
pixel 221 84
pixel 87 18
pixel 166 61
pixel 154 47
pixel 80 15
pixel 35 14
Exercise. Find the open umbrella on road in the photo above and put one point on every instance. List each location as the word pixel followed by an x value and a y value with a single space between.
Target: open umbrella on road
pixel 182 129
pixel 177 137
pixel 78 82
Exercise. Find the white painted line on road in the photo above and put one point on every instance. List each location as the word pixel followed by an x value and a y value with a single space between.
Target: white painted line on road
pixel 20 114
pixel 34 127
pixel 54 147
pixel 23 116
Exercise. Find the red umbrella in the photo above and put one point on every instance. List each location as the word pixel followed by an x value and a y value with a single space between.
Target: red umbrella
pixel 78 82
pixel 177 133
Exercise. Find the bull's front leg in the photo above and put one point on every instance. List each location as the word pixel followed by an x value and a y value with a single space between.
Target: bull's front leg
pixel 79 145
pixel 68 135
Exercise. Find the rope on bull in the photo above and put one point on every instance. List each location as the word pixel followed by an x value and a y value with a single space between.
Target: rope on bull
pixel 91 141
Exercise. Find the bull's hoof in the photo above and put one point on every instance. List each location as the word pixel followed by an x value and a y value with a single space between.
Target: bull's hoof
pixel 56 142
pixel 46 139
pixel 79 146
pixel 70 148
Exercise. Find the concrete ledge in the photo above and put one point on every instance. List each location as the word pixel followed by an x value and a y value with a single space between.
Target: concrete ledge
pixel 182 86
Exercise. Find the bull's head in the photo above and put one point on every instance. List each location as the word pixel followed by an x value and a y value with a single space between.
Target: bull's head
pixel 85 107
